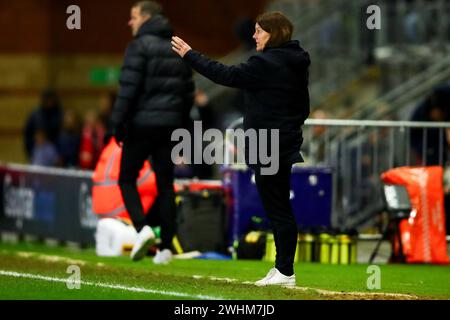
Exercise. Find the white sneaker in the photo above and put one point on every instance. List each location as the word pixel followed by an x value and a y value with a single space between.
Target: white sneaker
pixel 145 239
pixel 163 257
pixel 275 277
pixel 268 276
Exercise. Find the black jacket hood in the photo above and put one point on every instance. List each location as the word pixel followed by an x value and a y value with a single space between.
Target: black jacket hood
pixel 156 87
pixel 292 53
pixel 157 26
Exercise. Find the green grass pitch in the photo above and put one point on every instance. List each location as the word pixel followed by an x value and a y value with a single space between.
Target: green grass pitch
pixel 38 272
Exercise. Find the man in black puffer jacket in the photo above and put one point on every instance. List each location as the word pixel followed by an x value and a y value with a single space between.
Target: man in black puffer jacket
pixel 155 97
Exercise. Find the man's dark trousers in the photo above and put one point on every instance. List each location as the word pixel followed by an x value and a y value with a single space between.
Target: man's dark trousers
pixel 138 146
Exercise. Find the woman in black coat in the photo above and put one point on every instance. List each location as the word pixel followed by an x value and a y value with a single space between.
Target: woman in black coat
pixel 275 84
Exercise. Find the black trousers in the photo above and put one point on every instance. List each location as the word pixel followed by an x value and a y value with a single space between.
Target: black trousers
pixel 274 191
pixel 138 146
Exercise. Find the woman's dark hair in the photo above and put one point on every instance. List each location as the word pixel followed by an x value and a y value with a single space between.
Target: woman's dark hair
pixel 278 25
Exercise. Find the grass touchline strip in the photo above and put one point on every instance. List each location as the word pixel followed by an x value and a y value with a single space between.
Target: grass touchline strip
pixel 107 285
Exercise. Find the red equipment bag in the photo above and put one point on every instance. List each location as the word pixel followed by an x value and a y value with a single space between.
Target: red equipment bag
pixel 423 234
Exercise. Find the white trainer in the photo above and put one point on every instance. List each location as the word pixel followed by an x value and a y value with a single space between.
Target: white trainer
pixel 268 276
pixel 163 257
pixel 276 278
pixel 145 239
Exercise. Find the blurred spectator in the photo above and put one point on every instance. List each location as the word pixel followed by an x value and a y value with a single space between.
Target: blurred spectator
pixel 413 25
pixel 183 169
pixel 69 140
pixel 106 104
pixel 329 32
pixel 229 109
pixel 92 140
pixel 319 114
pixel 44 152
pixel 434 109
pixel 48 117
pixel 315 147
pixel 201 111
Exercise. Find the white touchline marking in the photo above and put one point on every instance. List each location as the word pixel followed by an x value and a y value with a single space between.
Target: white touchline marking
pixel 108 285
pixel 320 291
pixel 50 258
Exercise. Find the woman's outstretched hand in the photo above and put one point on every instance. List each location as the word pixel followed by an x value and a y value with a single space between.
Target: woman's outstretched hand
pixel 179 46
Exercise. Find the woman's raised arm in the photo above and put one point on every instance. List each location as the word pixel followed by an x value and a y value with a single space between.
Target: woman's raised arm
pixel 242 76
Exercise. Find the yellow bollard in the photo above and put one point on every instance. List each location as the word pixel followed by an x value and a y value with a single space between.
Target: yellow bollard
pixel 354 250
pixel 298 250
pixel 334 244
pixel 309 247
pixel 344 244
pixel 301 248
pixel 324 241
pixel 270 248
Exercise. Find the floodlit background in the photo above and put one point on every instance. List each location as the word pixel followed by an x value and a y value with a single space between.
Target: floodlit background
pixel 380 99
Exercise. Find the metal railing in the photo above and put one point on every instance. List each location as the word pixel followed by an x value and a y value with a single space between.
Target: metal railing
pixel 339 43
pixel 358 159
pixel 324 30
pixel 416 87
pixel 344 54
